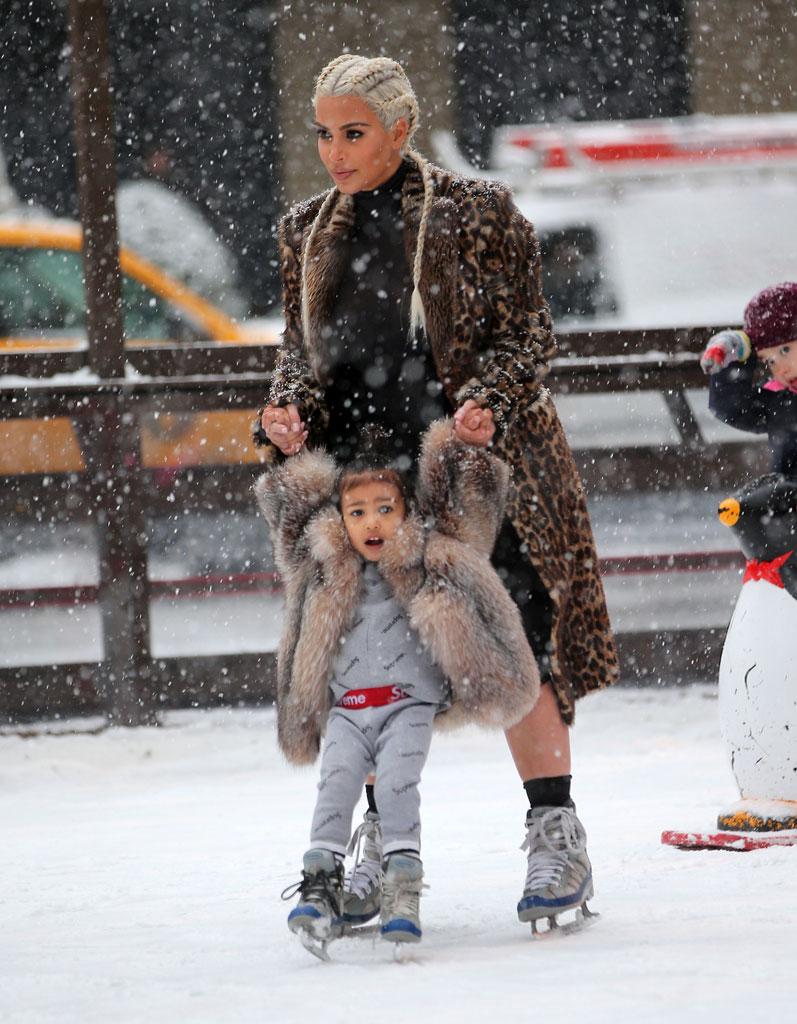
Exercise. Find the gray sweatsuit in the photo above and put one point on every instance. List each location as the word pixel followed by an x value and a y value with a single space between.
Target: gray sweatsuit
pixel 381 650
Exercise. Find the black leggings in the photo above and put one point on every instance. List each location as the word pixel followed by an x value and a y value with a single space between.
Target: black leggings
pixel 520 578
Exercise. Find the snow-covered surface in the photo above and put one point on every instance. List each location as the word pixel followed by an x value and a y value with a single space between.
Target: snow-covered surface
pixel 616 419
pixel 142 872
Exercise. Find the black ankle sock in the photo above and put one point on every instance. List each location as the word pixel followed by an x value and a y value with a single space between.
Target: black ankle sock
pixel 550 792
pixel 369 796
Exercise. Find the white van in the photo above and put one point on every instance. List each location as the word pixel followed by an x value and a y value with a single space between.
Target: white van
pixel 656 223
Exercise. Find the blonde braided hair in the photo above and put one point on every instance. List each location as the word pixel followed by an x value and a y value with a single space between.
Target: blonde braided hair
pixel 382 84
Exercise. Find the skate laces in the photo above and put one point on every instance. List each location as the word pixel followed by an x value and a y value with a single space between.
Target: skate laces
pixel 317 887
pixel 365 844
pixel 551 839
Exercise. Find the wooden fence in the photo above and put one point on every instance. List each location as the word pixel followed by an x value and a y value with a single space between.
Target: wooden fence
pixel 114 484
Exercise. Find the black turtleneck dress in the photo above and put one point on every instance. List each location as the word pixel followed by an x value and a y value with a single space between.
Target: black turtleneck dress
pixel 378 375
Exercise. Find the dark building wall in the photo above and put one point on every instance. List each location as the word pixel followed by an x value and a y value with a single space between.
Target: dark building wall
pixel 566 60
pixel 36 132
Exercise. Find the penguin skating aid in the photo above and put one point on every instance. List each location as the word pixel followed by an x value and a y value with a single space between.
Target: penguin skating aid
pixel 758 675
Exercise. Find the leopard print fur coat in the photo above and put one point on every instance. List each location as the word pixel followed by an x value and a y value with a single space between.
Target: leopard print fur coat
pixel 491 336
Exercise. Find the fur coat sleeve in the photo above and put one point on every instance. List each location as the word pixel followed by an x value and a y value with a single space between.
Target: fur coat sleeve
pixel 294 495
pixel 521 334
pixel 289 495
pixel 293 381
pixel 463 613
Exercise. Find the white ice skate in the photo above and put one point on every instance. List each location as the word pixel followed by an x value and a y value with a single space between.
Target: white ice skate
pixel 362 888
pixel 401 893
pixel 559 876
pixel 316 916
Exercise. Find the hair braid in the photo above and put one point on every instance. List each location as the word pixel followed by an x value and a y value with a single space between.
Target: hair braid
pixel 417 312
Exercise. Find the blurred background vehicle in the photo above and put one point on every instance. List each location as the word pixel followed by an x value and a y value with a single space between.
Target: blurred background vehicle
pixel 42 300
pixel 661 222
pixel 42 309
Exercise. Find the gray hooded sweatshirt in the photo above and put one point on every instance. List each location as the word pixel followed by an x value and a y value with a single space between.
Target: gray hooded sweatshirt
pixel 382 649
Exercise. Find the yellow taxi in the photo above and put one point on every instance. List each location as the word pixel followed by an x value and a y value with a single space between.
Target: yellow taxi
pixel 42 309
pixel 42 302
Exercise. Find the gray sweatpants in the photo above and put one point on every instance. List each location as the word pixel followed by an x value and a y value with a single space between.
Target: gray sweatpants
pixel 392 741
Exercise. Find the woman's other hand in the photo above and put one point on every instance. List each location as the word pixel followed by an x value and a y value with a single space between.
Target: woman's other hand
pixel 284 428
pixel 474 425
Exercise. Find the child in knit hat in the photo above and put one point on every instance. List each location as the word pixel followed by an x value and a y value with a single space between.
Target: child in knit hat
pixel 393 614
pixel 731 357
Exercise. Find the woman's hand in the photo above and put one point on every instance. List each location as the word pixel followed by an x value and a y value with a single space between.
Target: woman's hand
pixel 474 425
pixel 284 428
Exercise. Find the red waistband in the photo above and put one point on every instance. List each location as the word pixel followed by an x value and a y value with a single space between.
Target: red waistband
pixel 373 697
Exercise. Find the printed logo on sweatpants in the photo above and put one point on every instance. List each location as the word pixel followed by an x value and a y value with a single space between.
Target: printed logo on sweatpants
pixel 329 775
pixel 327 821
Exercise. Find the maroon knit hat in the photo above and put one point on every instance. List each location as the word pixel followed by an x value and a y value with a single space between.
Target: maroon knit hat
pixel 771 317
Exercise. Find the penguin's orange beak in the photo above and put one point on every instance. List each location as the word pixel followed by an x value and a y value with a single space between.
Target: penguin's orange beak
pixel 729 511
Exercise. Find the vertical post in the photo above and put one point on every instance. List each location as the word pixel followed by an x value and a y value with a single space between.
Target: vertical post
pixel 96 178
pixel 111 448
pixel 112 455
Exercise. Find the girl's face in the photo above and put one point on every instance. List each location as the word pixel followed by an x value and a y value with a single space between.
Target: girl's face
pixel 372 512
pixel 354 146
pixel 781 361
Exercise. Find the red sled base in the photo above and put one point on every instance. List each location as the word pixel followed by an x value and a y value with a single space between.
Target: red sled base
pixel 741 842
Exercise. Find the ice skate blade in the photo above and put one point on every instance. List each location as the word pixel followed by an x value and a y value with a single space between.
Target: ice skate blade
pixel 584 918
pixel 314 945
pixel 359 931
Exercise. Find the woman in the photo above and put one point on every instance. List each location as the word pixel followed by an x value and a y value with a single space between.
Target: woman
pixel 411 293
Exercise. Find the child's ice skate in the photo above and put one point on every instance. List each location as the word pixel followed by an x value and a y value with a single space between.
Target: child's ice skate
pixel 559 876
pixel 402 882
pixel 362 888
pixel 316 916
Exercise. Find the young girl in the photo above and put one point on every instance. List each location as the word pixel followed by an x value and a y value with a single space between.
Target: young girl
pixel 393 615
pixel 731 357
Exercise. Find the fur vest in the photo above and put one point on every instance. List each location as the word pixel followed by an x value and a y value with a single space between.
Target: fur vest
pixel 491 337
pixel 437 565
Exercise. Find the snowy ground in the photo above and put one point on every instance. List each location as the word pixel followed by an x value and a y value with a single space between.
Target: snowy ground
pixel 142 872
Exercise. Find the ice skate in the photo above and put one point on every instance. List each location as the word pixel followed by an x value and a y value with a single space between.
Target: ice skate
pixel 559 876
pixel 362 888
pixel 401 893
pixel 316 916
